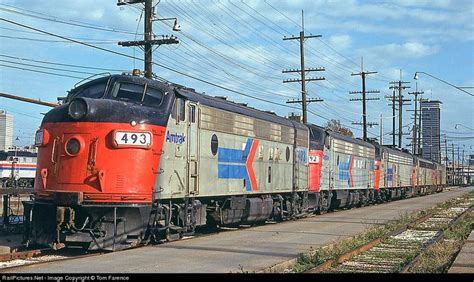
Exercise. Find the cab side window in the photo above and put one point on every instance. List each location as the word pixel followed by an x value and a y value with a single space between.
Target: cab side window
pixel 182 109
pixel 153 97
pixel 179 110
pixel 192 113
pixel 173 112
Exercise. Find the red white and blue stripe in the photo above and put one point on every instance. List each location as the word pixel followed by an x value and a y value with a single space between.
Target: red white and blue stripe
pixel 237 164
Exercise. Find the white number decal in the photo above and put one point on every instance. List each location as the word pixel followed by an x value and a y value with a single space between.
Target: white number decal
pixel 140 139
pixel 314 159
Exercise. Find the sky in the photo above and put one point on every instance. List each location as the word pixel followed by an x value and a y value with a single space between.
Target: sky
pixel 238 45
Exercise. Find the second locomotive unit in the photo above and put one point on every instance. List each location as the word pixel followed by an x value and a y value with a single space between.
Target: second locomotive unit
pixel 128 160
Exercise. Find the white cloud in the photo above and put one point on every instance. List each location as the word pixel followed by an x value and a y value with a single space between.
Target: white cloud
pixel 97 14
pixel 389 35
pixel 390 53
pixel 340 42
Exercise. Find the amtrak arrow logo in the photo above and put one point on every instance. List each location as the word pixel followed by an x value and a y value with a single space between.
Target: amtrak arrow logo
pixel 237 164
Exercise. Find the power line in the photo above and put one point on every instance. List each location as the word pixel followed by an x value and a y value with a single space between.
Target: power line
pixel 59 64
pixel 161 65
pixel 43 67
pixel 213 34
pixel 43 72
pixel 168 68
pixel 247 69
pixel 234 76
pixel 62 21
pixel 342 66
pixel 50 41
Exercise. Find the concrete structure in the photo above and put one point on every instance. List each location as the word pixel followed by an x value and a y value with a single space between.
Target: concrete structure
pixel 463 174
pixel 6 130
pixel 430 130
pixel 464 262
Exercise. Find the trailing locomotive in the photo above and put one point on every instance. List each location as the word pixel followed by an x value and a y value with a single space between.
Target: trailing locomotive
pixel 17 169
pixel 128 160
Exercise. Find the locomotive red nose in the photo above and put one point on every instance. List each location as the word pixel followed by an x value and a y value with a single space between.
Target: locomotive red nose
pixel 104 163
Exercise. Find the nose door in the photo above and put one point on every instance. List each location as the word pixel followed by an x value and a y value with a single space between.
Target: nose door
pixel 72 165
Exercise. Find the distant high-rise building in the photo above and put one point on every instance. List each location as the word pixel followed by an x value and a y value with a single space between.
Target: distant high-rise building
pixel 430 130
pixel 471 159
pixel 6 130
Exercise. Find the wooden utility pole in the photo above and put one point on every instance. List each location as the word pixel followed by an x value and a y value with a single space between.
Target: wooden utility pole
pixel 393 117
pixel 416 137
pixel 454 174
pixel 364 99
pixel 398 85
pixel 462 168
pixel 148 35
pixel 381 130
pixel 304 99
pixel 458 166
pixel 148 41
pixel 446 151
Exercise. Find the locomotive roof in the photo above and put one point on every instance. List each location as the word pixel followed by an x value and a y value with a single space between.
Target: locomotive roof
pixel 340 136
pixel 425 160
pixel 230 106
pixel 203 99
pixel 349 139
pixel 393 151
pixel 121 77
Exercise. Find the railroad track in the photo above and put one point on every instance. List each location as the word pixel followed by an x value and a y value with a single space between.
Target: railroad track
pixel 47 255
pixel 398 251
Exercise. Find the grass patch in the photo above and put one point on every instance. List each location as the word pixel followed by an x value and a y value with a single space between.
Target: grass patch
pixel 441 255
pixel 320 255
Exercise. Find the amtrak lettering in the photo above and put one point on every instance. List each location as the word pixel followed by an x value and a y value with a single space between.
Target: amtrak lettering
pixel 175 138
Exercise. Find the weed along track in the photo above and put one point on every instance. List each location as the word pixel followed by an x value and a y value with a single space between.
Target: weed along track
pixel 401 249
pixel 39 256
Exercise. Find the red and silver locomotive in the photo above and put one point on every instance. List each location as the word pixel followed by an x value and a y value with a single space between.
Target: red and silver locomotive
pixel 128 160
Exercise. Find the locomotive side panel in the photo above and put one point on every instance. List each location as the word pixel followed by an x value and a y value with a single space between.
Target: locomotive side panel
pixel 353 165
pixel 250 155
pixel 403 171
pixel 327 174
pixel 172 181
pixel 235 155
pixel 243 165
pixel 301 160
pixel 443 174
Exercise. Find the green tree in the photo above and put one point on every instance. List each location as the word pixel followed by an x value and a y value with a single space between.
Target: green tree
pixel 335 125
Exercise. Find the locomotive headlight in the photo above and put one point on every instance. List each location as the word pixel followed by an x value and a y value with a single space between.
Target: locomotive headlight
pixel 77 109
pixel 73 146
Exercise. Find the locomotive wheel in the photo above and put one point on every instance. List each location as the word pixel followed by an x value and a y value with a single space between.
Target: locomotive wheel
pixel 323 207
pixel 172 235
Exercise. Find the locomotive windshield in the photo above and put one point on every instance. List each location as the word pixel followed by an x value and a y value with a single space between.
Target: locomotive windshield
pixel 95 91
pixel 131 92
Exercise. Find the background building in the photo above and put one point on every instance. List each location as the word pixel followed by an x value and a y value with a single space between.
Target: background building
pixel 6 130
pixel 430 130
